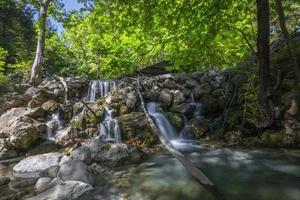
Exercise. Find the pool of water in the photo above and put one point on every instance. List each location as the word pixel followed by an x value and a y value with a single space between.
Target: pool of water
pixel 242 174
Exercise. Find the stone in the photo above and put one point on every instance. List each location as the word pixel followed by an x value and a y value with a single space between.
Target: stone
pixel 205 79
pixel 83 154
pixel 76 170
pixel 186 109
pixel 210 104
pixel 50 106
pixel 33 165
pixel 217 93
pixel 118 155
pixel 165 97
pixel 273 139
pixel 131 100
pixel 21 131
pixel 35 113
pixel 201 90
pixel 58 189
pixel 23 183
pixel 13 100
pixel 197 75
pixel 4 180
pixel 191 83
pixel 42 184
pixel 7 153
pixel 170 84
pixel 175 119
pixel 65 136
pixel 179 97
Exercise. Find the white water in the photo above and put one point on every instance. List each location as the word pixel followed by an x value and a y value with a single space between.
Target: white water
pixel 53 120
pixel 161 121
pixel 99 88
pixel 109 127
pixel 62 80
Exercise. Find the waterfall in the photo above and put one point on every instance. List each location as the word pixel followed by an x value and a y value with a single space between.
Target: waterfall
pixel 99 88
pixel 53 123
pixel 161 121
pixel 109 127
pixel 62 80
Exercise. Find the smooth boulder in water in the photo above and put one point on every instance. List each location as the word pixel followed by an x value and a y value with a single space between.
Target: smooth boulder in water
pixel 59 189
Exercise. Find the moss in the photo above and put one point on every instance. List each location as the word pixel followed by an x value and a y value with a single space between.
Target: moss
pixel 272 139
pixel 78 122
pixel 175 119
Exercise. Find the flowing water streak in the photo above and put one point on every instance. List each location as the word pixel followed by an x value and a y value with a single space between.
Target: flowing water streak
pixel 62 80
pixel 161 121
pixel 109 127
pixel 99 88
pixel 53 119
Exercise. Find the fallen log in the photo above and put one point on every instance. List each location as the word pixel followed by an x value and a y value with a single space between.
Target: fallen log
pixel 194 171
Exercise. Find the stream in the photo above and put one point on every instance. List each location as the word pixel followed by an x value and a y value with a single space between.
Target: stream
pixel 247 174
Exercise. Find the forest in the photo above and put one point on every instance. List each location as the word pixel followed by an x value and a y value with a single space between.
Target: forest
pixel 149 99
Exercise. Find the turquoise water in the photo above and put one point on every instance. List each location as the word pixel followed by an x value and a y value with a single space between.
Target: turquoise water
pixel 240 174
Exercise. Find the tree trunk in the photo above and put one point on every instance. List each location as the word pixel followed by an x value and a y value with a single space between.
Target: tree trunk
pixel 292 114
pixel 36 69
pixel 263 62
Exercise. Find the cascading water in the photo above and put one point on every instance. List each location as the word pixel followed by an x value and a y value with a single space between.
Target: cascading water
pixel 161 121
pixel 99 88
pixel 109 127
pixel 53 123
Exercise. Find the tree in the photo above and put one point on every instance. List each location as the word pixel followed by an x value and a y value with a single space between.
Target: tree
pixel 292 114
pixel 263 62
pixel 36 69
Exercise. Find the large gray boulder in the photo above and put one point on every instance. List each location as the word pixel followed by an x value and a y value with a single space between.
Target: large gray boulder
pixel 20 130
pixel 201 90
pixel 76 170
pixel 33 165
pixel 83 154
pixel 58 189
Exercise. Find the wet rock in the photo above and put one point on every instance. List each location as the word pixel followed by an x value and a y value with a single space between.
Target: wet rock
pixel 199 128
pixel 58 189
pixel 176 120
pixel 131 100
pixel 272 139
pixel 83 154
pixel 76 170
pixel 210 104
pixel 23 183
pixel 179 97
pixel 197 75
pixel 4 180
pixel 201 90
pixel 7 153
pixel 42 184
pixel 170 84
pixel 205 79
pixel 50 106
pixel 186 109
pixel 166 97
pixel 191 83
pixel 118 155
pixel 33 165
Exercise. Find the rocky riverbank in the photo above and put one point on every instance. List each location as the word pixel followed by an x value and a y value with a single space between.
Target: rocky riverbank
pixel 89 126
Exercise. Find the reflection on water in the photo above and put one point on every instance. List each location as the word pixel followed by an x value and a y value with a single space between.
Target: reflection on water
pixel 239 174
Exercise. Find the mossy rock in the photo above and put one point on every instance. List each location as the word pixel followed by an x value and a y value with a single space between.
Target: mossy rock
pixel 272 139
pixel 176 119
pixel 78 122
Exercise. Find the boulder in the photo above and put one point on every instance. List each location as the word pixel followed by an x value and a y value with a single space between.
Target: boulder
pixel 50 106
pixel 7 153
pixel 21 131
pixel 42 184
pixel 12 100
pixel 179 97
pixel 33 165
pixel 186 109
pixel 4 180
pixel 58 189
pixel 191 83
pixel 165 97
pixel 131 100
pixel 35 113
pixel 118 155
pixel 210 104
pixel 170 84
pixel 175 119
pixel 22 183
pixel 205 79
pixel 83 154
pixel 201 90
pixel 197 75
pixel 76 170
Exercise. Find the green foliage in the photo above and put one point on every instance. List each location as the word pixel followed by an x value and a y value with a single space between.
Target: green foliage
pixel 3 55
pixel 118 37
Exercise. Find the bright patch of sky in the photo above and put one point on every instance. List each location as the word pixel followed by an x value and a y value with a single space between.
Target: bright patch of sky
pixel 69 5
